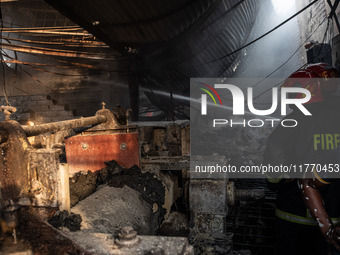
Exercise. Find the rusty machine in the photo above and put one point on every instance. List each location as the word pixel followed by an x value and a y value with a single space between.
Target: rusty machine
pixel 30 176
pixel 34 177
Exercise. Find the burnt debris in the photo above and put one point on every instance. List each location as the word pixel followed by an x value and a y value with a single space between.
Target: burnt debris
pixel 65 219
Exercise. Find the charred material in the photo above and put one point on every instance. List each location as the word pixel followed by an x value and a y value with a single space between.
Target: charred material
pixel 82 185
pixel 36 236
pixel 216 243
pixel 175 225
pixel 10 214
pixel 109 198
pixel 65 219
pixel 149 186
pixel 121 115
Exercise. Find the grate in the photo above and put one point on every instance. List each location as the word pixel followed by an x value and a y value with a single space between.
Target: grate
pixel 253 222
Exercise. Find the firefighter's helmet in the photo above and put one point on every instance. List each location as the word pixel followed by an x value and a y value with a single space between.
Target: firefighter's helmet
pixel 317 78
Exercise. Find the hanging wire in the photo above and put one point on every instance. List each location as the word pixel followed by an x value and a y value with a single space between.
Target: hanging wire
pixel 326 18
pixel 2 58
pixel 257 39
pixel 284 63
pixel 62 42
pixel 264 36
pixel 296 51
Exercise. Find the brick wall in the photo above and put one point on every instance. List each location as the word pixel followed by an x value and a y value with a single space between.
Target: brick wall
pixel 36 108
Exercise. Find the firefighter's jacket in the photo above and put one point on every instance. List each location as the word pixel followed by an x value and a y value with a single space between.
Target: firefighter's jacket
pixel 315 140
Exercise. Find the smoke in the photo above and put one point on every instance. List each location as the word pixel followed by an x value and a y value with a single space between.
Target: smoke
pixel 263 57
pixel 267 54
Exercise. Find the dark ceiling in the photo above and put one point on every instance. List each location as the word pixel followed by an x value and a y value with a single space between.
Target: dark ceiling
pixel 168 41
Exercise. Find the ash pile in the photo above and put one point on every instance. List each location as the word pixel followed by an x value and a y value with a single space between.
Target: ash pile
pixel 109 200
pixel 112 198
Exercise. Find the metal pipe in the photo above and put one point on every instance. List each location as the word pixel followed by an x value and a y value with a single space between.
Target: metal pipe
pixel 63 125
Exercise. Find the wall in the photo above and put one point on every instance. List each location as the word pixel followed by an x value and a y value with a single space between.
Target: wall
pixel 37 109
pixel 310 20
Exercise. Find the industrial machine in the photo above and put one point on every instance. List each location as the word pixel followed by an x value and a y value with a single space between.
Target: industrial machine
pixel 33 176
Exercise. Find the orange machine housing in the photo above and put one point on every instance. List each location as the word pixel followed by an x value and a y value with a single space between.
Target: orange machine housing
pixel 89 151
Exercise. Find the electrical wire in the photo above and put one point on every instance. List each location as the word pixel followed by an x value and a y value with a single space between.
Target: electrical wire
pixel 296 51
pixel 89 44
pixel 289 59
pixel 284 63
pixel 31 65
pixel 63 28
pixel 28 73
pixel 66 63
pixel 324 36
pixel 57 52
pixel 50 32
pixel 2 64
pixel 235 6
pixel 224 14
pixel 70 64
pixel 76 40
pixel 78 64
pixel 257 39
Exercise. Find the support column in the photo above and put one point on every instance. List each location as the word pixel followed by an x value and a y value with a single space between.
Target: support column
pixel 134 93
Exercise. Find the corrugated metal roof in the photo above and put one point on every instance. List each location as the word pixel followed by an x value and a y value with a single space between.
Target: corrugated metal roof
pixel 136 21
pixel 174 38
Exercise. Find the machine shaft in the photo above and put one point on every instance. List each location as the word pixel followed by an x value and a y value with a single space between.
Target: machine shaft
pixel 63 125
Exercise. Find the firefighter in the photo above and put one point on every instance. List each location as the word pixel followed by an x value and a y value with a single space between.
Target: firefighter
pixel 308 207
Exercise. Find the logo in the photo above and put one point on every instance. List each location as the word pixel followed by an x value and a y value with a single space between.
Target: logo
pixel 239 102
pixel 204 97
